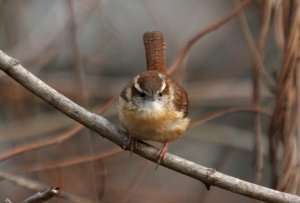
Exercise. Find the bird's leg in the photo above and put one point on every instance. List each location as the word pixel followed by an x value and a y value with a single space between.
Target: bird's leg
pixel 161 153
pixel 132 145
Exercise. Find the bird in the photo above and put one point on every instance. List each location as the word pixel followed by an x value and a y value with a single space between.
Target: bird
pixel 153 106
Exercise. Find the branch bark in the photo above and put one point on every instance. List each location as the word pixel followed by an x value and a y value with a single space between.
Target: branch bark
pixel 209 176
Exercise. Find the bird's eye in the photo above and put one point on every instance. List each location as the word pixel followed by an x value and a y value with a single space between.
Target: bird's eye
pixel 160 94
pixel 142 94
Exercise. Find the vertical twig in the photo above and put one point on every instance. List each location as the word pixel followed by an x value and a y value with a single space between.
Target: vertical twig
pixel 298 118
pixel 278 24
pixel 256 89
pixel 76 59
pixel 80 88
pixel 283 129
pixel 258 73
pixel 265 77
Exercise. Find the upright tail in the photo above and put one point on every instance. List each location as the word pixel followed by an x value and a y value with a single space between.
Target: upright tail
pixel 155 47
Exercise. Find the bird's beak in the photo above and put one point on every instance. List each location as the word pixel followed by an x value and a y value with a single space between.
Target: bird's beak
pixel 151 98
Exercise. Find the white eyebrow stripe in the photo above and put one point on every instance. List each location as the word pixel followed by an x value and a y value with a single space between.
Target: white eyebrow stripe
pixel 161 76
pixel 163 86
pixel 128 93
pixel 137 85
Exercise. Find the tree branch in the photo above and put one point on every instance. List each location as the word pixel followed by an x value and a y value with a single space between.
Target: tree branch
pixel 37 186
pixel 27 147
pixel 103 127
pixel 68 161
pixel 222 112
pixel 43 196
pixel 215 25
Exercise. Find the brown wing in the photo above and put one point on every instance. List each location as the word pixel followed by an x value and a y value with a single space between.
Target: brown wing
pixel 181 101
pixel 124 94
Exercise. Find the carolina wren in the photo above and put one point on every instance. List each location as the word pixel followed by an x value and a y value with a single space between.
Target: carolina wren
pixel 153 106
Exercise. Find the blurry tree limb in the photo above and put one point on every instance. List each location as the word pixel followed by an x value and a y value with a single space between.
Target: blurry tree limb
pixel 210 28
pixel 37 186
pixel 68 161
pixel 139 178
pixel 279 24
pixel 222 112
pixel 102 126
pixel 79 83
pixel 258 73
pixel 256 49
pixel 43 196
pixel 7 201
pixel 27 147
pixel 80 87
pixel 230 136
pixel 284 124
pixel 256 97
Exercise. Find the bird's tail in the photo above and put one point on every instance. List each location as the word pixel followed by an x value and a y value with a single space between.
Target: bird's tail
pixel 155 47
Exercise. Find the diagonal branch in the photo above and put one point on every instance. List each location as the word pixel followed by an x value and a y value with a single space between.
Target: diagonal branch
pixel 38 186
pixel 43 196
pixel 68 162
pixel 180 58
pixel 27 147
pixel 222 112
pixel 103 127
pixel 40 144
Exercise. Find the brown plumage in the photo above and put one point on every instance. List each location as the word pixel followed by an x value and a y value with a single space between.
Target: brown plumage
pixel 155 46
pixel 153 106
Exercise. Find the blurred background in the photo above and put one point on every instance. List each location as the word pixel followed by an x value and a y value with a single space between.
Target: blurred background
pixel 88 50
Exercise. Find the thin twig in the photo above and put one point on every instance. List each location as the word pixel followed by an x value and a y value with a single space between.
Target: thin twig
pixel 37 186
pixel 40 144
pixel 143 171
pixel 278 25
pixel 259 73
pixel 268 81
pixel 43 196
pixel 80 86
pixel 283 124
pixel 222 112
pixel 103 127
pixel 69 161
pixel 215 25
pixel 7 201
pixel 259 149
pixel 27 147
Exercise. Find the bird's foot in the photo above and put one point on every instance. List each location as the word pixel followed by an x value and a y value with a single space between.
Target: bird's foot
pixel 161 153
pixel 132 145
